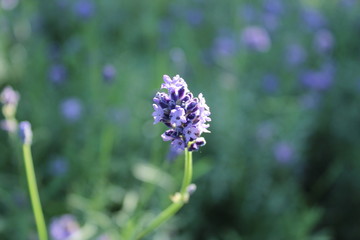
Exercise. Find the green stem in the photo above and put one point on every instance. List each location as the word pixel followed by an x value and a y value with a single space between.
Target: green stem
pixel 34 194
pixel 188 172
pixel 162 217
pixel 176 205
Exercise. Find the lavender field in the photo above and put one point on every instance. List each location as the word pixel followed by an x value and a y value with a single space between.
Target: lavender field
pixel 106 133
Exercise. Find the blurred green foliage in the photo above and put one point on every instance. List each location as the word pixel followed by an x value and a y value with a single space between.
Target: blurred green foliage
pixel 282 161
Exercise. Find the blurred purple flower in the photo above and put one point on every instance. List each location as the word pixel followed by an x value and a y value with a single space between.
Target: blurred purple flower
pixel 295 54
pixel 9 96
pixel 9 4
pixel 8 125
pixel 71 109
pixel 57 73
pixel 313 18
pixel 318 79
pixel 108 72
pixel 194 17
pixel 273 6
pixel 62 228
pixel 270 83
pixel 84 9
pixel 283 152
pixel 256 38
pixel 224 46
pixel 59 166
pixel 323 40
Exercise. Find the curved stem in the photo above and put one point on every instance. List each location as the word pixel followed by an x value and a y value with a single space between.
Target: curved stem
pixel 162 217
pixel 34 194
pixel 177 204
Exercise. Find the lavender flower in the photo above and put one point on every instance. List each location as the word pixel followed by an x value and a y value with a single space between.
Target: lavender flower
pixel 25 132
pixel 184 114
pixel 312 18
pixel 9 4
pixel 62 228
pixel 283 152
pixel 71 109
pixel 323 40
pixel 84 9
pixel 108 72
pixel 57 73
pixel 9 125
pixel 318 79
pixel 9 96
pixel 256 38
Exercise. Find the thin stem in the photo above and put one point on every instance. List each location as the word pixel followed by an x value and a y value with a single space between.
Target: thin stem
pixel 162 217
pixel 34 194
pixel 188 172
pixel 176 205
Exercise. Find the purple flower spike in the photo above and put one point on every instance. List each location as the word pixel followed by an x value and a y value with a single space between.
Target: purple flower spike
pixel 63 227
pixel 256 38
pixel 184 114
